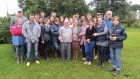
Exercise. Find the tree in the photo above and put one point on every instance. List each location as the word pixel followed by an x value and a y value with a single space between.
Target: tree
pixel 118 7
pixel 62 7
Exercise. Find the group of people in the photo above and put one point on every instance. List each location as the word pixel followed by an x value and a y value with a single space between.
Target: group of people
pixel 63 37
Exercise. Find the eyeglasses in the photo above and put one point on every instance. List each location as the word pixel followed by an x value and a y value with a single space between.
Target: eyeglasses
pixel 108 14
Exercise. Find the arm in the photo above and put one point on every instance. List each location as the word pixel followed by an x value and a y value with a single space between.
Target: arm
pixel 123 35
pixel 104 32
pixel 24 32
pixel 42 33
pixel 53 32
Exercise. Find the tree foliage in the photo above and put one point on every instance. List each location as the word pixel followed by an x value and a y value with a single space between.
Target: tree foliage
pixel 62 7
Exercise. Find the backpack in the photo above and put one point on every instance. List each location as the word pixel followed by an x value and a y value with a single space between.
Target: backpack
pixel 16 31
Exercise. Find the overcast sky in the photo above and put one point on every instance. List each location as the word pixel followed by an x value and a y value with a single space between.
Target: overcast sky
pixel 12 6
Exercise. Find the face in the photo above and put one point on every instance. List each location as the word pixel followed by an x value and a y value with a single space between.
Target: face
pixel 48 22
pixel 100 21
pixel 42 14
pixel 115 21
pixel 84 23
pixel 19 21
pixel 52 19
pixel 71 21
pixel 95 21
pixel 41 20
pixel 20 13
pixel 37 18
pixel 57 22
pixel 83 17
pixel 91 23
pixel 108 15
pixel 66 23
pixel 62 19
pixel 31 18
pixel 89 16
pixel 75 23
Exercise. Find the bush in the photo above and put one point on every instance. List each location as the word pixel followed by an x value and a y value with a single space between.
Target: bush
pixel 5 35
pixel 136 24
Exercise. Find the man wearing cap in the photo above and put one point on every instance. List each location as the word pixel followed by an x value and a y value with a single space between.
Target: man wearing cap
pixel 19 15
pixel 66 39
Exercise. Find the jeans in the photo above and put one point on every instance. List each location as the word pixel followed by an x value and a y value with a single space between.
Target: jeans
pixel 19 51
pixel 115 57
pixel 89 48
pixel 29 48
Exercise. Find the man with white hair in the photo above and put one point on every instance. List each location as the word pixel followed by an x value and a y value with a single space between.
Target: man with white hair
pixel 19 15
pixel 108 22
pixel 66 39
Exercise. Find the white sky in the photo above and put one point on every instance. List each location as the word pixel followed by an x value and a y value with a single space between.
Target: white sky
pixel 12 6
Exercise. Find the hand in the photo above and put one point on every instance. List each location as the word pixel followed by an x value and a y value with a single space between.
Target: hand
pixel 114 38
pixel 95 34
pixel 88 40
pixel 111 38
pixel 43 42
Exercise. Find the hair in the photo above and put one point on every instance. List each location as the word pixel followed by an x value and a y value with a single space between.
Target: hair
pixel 116 17
pixel 32 15
pixel 109 11
pixel 56 19
pixel 46 20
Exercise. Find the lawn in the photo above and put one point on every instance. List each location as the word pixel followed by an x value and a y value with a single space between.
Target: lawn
pixel 57 69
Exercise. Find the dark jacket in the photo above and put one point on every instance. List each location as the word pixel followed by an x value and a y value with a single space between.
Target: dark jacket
pixel 46 33
pixel 55 32
pixel 121 35
pixel 89 33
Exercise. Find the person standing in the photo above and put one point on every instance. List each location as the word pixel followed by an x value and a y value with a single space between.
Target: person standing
pixel 108 22
pixel 101 41
pixel 55 33
pixel 76 30
pixel 116 37
pixel 19 15
pixel 46 38
pixel 31 31
pixel 65 39
pixel 90 43
pixel 18 40
pixel 83 38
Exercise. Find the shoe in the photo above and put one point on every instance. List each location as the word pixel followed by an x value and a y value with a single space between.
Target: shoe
pixel 85 62
pixel 48 59
pixel 109 61
pixel 115 73
pixel 96 56
pixel 68 59
pixel 83 58
pixel 89 63
pixel 102 65
pixel 37 62
pixel 21 59
pixel 112 69
pixel 28 64
pixel 17 60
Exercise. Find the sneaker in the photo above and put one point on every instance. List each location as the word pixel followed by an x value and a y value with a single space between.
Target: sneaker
pixel 86 62
pixel 89 63
pixel 96 56
pixel 109 61
pixel 83 58
pixel 115 73
pixel 37 62
pixel 28 64
pixel 112 69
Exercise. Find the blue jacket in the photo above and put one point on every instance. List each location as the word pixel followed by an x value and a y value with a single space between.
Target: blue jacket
pixel 121 35
pixel 101 38
pixel 108 23
pixel 55 32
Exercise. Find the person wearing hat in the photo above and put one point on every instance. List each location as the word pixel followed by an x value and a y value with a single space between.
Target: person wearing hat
pixel 19 15
pixel 66 39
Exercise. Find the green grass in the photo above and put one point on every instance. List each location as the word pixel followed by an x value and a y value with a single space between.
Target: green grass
pixel 57 69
